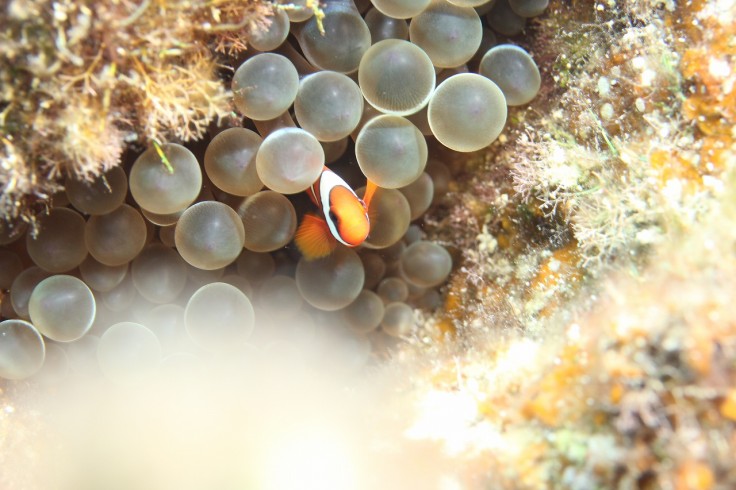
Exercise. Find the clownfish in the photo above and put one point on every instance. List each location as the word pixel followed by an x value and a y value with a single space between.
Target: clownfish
pixel 343 217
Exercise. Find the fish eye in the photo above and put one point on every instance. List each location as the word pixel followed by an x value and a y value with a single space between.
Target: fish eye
pixel 333 217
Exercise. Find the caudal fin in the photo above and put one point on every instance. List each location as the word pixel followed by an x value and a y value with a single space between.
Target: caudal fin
pixel 314 239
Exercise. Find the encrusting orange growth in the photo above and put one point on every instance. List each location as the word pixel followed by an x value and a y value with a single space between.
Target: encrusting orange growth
pixel 555 400
pixel 616 393
pixel 714 152
pixel 728 406
pixel 456 303
pixel 528 465
pixel 706 60
pixel 621 368
pixel 557 277
pixel 694 475
pixel 673 165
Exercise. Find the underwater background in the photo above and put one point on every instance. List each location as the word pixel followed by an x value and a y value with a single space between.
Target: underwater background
pixel 549 307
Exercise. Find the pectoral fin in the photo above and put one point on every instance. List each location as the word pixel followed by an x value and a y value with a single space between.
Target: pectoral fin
pixel 314 239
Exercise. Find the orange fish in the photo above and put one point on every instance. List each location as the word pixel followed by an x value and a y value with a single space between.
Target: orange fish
pixel 343 217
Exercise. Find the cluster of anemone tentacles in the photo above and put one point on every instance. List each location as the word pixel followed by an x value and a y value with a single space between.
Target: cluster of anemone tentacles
pixel 187 253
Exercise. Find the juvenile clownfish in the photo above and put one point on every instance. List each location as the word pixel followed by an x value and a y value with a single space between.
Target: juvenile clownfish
pixel 343 217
